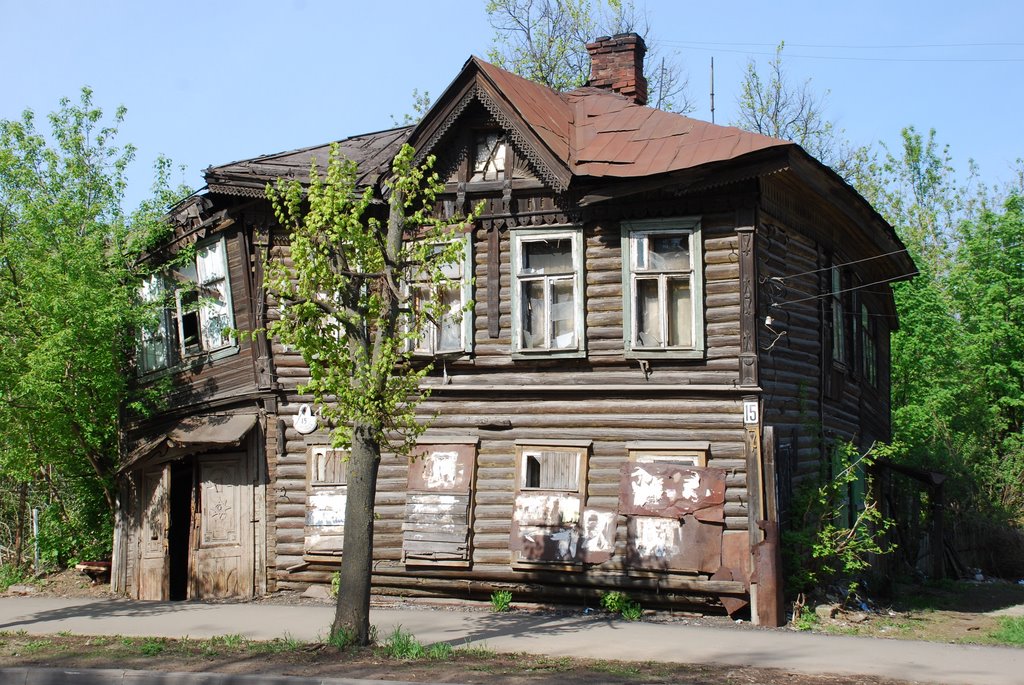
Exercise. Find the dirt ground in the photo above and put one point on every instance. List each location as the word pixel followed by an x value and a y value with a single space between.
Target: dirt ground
pixel 951 612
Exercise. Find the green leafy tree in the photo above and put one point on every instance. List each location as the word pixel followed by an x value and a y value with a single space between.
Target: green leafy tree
pixel 67 310
pixel 349 310
pixel 545 41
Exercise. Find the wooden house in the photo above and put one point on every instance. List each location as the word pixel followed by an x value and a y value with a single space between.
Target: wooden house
pixel 672 322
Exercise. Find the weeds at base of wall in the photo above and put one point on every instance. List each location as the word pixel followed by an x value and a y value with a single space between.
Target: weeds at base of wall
pixel 620 603
pixel 501 601
pixel 335 584
pixel 401 644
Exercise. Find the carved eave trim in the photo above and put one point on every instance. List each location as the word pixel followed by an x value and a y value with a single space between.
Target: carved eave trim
pixel 520 142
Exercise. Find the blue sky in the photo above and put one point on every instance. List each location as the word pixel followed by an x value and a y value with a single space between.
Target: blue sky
pixel 207 83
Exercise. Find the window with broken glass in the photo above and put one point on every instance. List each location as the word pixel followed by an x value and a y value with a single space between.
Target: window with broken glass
pixel 663 289
pixel 546 295
pixel 488 157
pixel 191 310
pixel 453 331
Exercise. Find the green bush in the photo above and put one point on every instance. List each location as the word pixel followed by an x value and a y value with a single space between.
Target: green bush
pixel 501 601
pixel 403 645
pixel 836 525
pixel 11 575
pixel 620 603
pixel 1010 631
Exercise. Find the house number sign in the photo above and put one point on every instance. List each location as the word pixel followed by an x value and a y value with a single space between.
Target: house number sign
pixel 304 422
pixel 750 412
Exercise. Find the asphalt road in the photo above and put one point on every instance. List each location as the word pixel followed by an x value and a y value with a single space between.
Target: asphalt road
pixel 578 636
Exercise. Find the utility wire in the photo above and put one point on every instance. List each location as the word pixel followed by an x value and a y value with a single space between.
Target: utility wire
pixel 823 46
pixel 836 266
pixel 841 58
pixel 838 292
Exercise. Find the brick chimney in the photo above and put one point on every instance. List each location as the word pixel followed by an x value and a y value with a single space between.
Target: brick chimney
pixel 617 63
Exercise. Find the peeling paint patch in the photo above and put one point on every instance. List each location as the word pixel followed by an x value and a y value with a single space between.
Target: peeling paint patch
pixel 672 490
pixel 440 470
pixel 546 510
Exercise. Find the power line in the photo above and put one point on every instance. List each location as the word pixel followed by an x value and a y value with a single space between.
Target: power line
pixel 851 47
pixel 840 58
pixel 838 292
pixel 836 266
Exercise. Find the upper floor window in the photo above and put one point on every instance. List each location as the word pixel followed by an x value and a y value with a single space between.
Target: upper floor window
pixel 488 157
pixel 663 288
pixel 869 347
pixel 193 312
pixel 838 316
pixel 547 297
pixel 453 330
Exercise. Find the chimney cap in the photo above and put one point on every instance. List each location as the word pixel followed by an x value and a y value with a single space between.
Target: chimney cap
pixel 617 64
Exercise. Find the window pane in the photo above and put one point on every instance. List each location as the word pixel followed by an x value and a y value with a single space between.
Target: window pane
pixel 669 252
pixel 680 313
pixel 547 256
pixel 551 470
pixel 648 317
pixel 534 315
pixel 451 319
pixel 489 160
pixel 215 315
pixel 563 314
pixel 210 264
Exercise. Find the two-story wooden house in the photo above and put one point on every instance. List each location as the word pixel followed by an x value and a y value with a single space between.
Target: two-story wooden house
pixel 671 321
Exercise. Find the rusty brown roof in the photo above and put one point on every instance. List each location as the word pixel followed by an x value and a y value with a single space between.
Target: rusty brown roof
pixel 600 133
pixel 372 152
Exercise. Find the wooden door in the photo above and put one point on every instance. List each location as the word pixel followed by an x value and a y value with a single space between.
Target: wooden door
pixel 154 560
pixel 223 557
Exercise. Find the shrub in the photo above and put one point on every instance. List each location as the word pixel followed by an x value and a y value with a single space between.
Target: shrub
pixel 836 526
pixel 501 601
pixel 620 603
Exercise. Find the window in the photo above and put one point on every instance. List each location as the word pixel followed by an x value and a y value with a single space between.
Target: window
pixel 663 310
pixel 682 452
pixel 869 347
pixel 453 332
pixel 838 318
pixel 547 295
pixel 194 310
pixel 553 466
pixel 488 157
pixel 551 493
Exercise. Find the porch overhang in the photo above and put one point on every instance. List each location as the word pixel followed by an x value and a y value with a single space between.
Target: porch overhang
pixel 190 436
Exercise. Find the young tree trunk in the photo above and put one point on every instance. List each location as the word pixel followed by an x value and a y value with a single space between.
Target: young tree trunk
pixel 352 614
pixel 20 524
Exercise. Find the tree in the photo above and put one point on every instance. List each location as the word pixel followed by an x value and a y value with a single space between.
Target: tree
pixel 770 104
pixel 348 308
pixel 545 41
pixel 67 311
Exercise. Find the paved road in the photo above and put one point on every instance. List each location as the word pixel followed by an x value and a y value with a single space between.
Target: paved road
pixel 579 636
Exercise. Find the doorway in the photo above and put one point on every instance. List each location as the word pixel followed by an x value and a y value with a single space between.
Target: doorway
pixel 178 536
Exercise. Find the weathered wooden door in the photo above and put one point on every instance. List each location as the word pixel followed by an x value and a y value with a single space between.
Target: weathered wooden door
pixel 154 560
pixel 223 558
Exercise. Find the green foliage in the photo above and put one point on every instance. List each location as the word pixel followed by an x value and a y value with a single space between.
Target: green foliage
pixel 343 637
pixel 501 601
pixel 805 619
pixel 440 651
pixel 11 574
pixel 402 644
pixel 67 314
pixel 152 646
pixel 620 603
pixel 335 584
pixel 832 534
pixel 347 309
pixel 1010 631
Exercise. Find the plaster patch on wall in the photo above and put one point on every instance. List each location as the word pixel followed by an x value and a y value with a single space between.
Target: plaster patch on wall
pixel 441 470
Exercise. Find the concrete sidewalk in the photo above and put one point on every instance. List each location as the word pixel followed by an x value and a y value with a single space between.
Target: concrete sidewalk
pixel 577 636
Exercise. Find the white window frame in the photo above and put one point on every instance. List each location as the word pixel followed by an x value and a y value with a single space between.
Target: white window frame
pixel 526 449
pixel 684 452
pixel 153 337
pixel 521 238
pixel 839 351
pixel 172 317
pixel 465 286
pixel 634 235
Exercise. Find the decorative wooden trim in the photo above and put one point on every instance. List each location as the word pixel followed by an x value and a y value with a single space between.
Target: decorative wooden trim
pixel 746 229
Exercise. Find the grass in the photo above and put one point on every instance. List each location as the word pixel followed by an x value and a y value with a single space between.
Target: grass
pixel 806 620
pixel 501 601
pixel 1010 631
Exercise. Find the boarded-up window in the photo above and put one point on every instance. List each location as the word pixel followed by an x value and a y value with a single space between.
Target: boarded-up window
pixel 675 515
pixel 436 530
pixel 549 522
pixel 326 495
